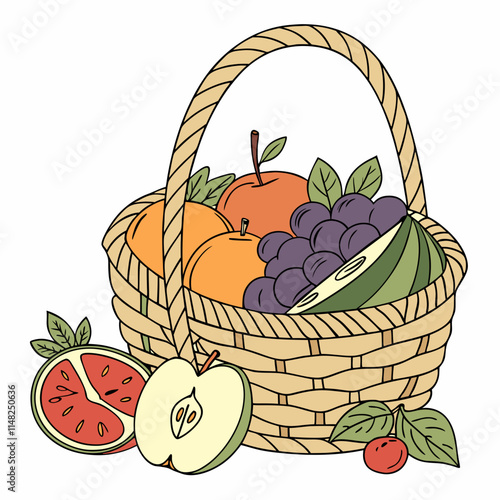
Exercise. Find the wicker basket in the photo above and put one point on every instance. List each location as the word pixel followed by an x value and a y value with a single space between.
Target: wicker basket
pixel 305 371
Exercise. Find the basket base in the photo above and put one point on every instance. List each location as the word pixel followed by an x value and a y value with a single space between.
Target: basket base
pixel 301 446
pixel 319 445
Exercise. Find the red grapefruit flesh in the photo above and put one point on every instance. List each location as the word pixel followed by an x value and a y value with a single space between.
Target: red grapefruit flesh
pixel 84 398
pixel 115 385
pixel 66 406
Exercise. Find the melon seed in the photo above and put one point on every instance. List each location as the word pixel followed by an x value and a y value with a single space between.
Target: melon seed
pixel 67 410
pixel 125 399
pixel 64 374
pixel 127 380
pixel 191 417
pixel 79 426
pixel 105 371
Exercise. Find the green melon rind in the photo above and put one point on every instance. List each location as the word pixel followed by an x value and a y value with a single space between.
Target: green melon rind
pixel 422 277
pixel 399 282
pixel 34 405
pixel 356 293
pixel 437 256
pixel 241 429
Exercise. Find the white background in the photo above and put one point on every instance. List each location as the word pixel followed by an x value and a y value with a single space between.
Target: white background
pixel 66 72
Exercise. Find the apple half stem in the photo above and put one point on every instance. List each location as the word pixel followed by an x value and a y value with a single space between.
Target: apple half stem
pixel 254 140
pixel 209 361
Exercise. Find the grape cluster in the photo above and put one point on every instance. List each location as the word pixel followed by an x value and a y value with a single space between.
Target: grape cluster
pixel 323 242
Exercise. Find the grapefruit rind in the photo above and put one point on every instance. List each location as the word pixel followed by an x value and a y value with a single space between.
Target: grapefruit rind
pixel 73 354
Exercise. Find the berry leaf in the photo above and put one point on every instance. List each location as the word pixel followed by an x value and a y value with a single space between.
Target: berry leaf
pixel 366 179
pixel 60 331
pixel 363 423
pixel 82 335
pixel 273 150
pixel 197 183
pixel 323 185
pixel 46 348
pixel 428 435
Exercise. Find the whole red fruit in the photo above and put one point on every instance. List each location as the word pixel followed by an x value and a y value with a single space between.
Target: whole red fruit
pixel 385 455
pixel 268 206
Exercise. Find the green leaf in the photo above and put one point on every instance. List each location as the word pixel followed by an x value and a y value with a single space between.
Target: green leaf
pixel 273 150
pixel 60 331
pixel 82 335
pixel 323 185
pixel 214 189
pixel 46 348
pixel 197 183
pixel 428 435
pixel 366 179
pixel 363 423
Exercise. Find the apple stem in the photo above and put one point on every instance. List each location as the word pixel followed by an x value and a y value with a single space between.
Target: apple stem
pixel 254 139
pixel 209 361
pixel 244 226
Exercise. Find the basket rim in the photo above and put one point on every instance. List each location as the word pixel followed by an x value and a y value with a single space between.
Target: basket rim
pixel 455 270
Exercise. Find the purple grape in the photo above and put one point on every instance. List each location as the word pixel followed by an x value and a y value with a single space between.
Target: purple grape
pixel 356 238
pixel 291 286
pixel 274 268
pixel 352 209
pixel 326 236
pixel 387 212
pixel 270 244
pixel 259 296
pixel 294 252
pixel 306 216
pixel 320 265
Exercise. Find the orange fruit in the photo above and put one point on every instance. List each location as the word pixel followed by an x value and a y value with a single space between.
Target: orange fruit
pixel 144 236
pixel 223 267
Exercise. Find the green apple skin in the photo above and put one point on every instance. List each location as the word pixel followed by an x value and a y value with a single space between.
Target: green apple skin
pixel 224 394
pixel 240 431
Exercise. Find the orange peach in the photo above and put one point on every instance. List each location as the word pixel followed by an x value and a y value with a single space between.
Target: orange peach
pixel 200 223
pixel 224 265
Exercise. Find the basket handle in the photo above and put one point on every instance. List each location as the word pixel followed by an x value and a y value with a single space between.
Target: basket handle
pixel 203 105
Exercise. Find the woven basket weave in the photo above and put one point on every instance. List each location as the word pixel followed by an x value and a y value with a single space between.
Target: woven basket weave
pixel 305 371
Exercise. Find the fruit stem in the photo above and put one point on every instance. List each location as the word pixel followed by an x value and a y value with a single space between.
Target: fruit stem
pixel 244 226
pixel 209 361
pixel 254 140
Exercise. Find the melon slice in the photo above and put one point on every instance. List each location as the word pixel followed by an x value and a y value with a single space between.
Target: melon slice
pixel 401 262
pixel 359 278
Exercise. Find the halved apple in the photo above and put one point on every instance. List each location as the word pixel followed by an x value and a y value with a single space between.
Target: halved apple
pixel 192 422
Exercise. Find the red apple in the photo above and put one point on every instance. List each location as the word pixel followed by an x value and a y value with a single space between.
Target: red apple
pixel 267 199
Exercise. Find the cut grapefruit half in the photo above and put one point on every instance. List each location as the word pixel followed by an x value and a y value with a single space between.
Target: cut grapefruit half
pixel 84 397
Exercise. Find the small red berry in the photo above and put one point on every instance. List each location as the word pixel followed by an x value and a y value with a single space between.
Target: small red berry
pixel 385 455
